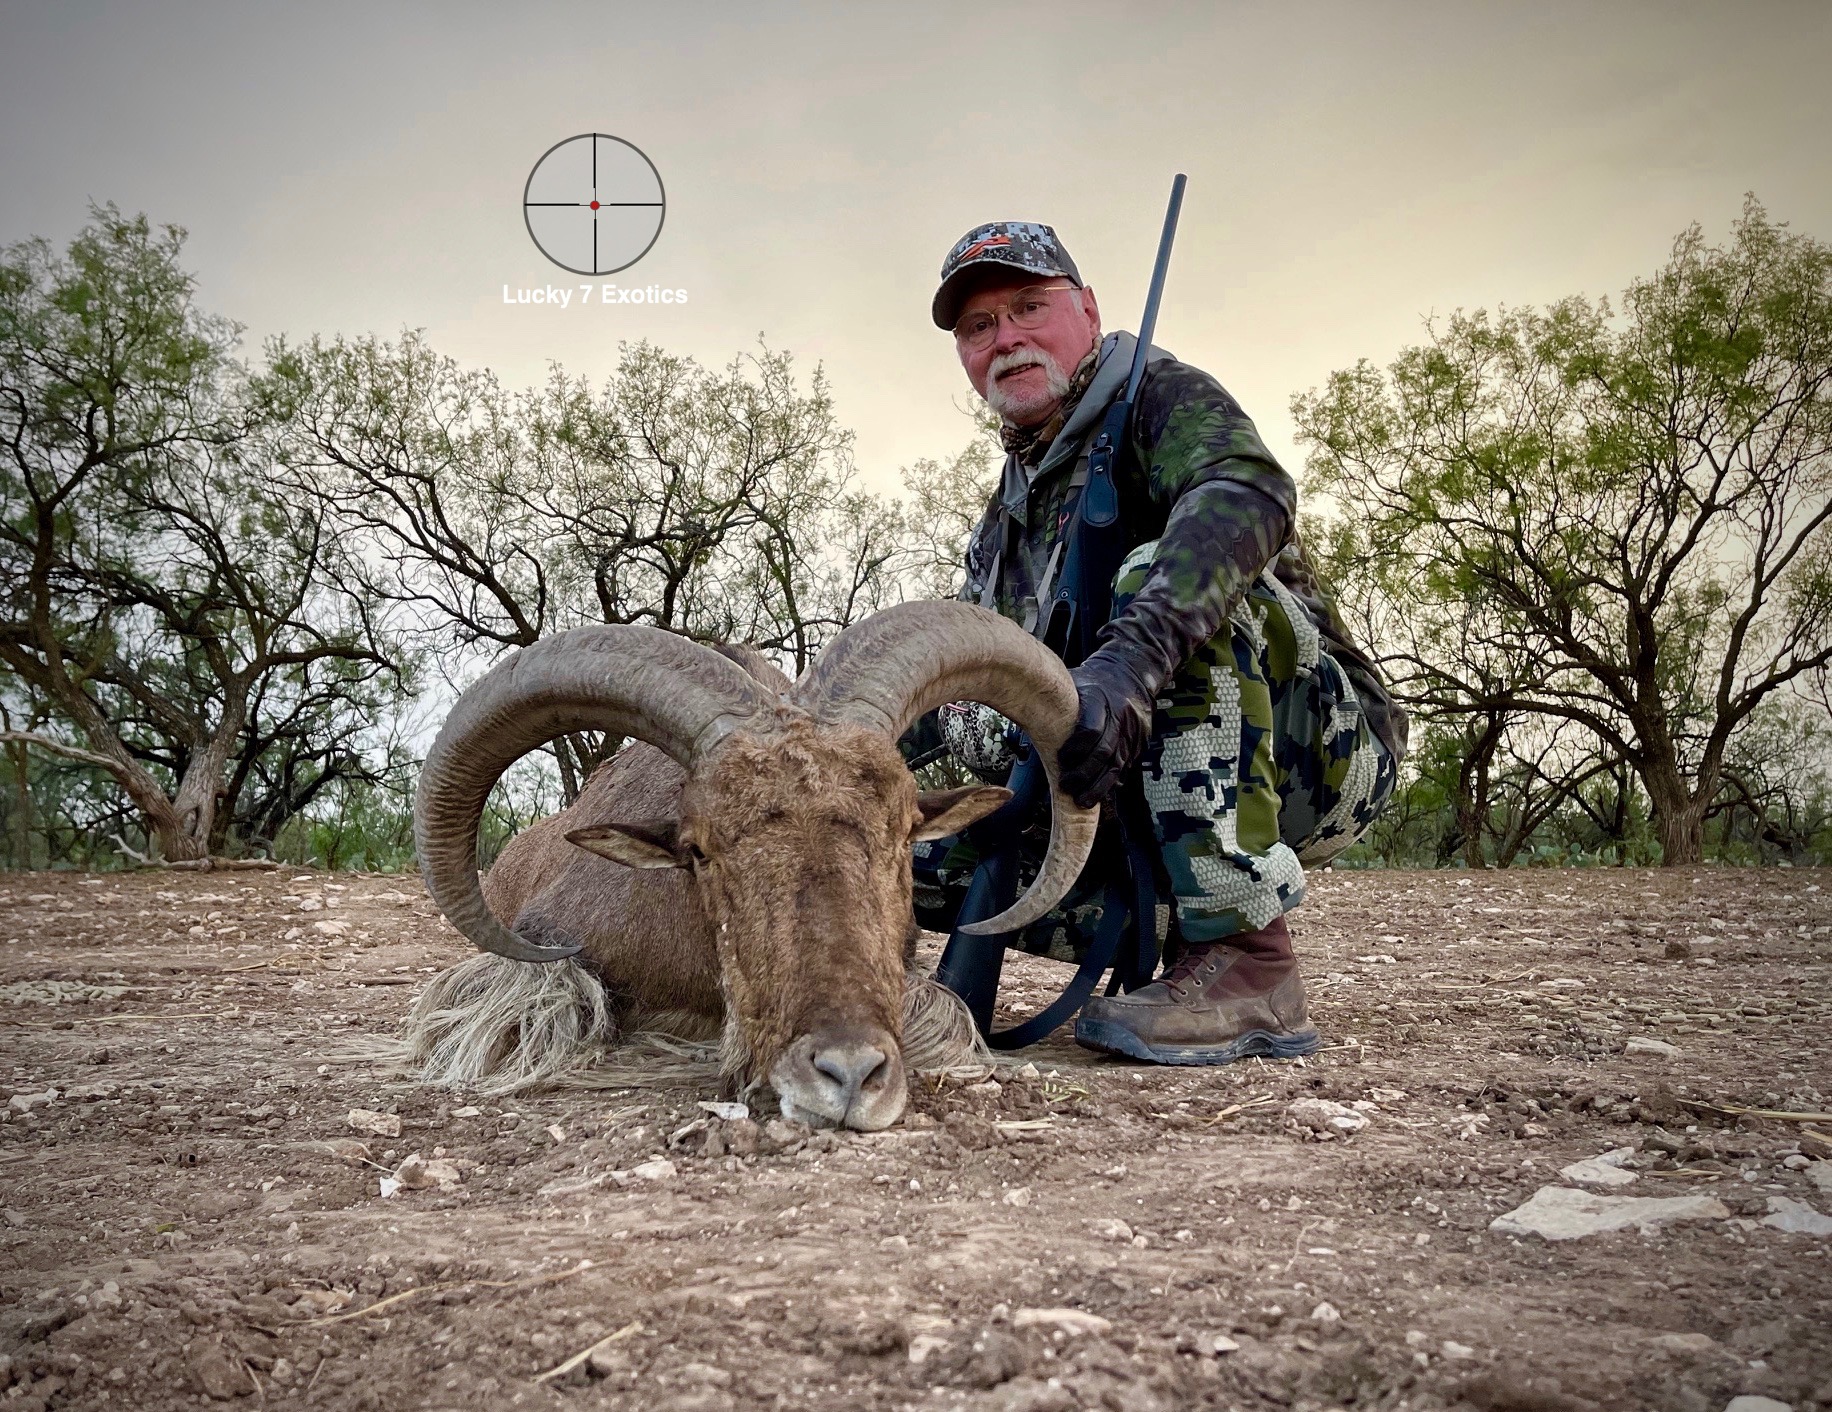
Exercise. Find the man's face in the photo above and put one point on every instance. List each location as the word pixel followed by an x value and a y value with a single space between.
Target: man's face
pixel 1023 372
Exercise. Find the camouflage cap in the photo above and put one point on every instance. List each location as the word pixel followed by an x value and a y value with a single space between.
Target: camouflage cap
pixel 1024 246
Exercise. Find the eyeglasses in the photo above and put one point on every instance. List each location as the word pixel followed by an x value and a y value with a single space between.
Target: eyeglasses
pixel 1028 308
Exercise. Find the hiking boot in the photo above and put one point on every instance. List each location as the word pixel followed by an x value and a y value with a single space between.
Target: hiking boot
pixel 1222 1001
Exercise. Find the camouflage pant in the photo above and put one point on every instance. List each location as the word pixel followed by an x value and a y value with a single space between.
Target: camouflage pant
pixel 1260 762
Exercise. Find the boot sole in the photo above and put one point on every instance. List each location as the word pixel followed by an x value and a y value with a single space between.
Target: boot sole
pixel 1106 1036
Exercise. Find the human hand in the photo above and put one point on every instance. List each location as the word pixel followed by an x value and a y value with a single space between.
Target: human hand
pixel 1111 727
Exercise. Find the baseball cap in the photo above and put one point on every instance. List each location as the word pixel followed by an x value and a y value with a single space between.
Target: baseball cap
pixel 1024 246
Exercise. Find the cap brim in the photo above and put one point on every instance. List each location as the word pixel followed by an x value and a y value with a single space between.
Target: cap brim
pixel 945 309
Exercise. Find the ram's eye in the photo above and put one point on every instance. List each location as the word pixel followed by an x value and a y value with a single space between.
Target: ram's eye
pixel 694 855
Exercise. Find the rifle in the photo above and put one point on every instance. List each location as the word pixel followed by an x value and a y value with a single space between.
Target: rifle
pixel 1079 607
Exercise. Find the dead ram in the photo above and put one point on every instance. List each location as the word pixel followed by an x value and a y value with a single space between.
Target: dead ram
pixel 743 873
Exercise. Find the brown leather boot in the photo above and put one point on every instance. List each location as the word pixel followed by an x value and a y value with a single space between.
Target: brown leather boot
pixel 1222 1001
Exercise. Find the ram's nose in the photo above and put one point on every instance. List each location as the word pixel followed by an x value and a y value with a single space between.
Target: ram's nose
pixel 848 1079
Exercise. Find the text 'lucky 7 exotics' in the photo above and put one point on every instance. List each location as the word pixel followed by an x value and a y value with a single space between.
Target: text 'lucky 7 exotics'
pixel 562 294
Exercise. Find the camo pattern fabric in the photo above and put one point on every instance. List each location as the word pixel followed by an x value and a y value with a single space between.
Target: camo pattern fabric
pixel 1022 246
pixel 1199 483
pixel 1189 482
pixel 1261 761
pixel 979 738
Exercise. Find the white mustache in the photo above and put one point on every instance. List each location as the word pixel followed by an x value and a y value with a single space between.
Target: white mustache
pixel 1017 358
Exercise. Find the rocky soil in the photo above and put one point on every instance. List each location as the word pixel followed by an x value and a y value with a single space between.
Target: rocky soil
pixel 207 1201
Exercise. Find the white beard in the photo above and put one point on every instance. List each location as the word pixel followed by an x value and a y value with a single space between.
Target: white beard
pixel 1017 410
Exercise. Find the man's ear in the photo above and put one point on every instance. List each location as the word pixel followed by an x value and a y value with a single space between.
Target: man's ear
pixel 652 843
pixel 946 811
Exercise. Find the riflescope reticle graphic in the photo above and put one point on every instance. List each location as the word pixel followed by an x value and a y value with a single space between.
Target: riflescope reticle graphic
pixel 594 204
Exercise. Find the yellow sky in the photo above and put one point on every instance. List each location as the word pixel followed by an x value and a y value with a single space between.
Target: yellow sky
pixel 1352 167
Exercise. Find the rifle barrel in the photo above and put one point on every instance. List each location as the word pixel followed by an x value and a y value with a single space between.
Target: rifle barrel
pixel 1149 323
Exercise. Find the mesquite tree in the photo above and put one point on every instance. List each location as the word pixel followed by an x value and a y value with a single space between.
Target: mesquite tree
pixel 1628 512
pixel 715 504
pixel 158 588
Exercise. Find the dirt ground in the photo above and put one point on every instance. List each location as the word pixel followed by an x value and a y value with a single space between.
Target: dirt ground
pixel 193 1220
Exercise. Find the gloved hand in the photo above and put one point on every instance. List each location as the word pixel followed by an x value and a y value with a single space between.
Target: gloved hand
pixel 1111 727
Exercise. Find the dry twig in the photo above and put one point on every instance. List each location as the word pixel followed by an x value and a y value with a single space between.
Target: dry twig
pixel 418 1290
pixel 560 1370
pixel 1735 1110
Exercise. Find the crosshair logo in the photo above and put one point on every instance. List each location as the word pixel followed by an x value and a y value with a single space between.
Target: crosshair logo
pixel 594 204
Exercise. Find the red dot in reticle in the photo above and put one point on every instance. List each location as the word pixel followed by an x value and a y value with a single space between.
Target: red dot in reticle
pixel 594 205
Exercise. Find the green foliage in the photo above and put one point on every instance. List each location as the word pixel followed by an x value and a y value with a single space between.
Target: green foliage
pixel 1618 522
pixel 1590 541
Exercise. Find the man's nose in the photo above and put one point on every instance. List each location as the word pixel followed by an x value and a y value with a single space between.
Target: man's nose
pixel 1008 336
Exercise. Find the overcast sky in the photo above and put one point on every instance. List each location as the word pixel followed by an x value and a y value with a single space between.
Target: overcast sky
pixel 1352 167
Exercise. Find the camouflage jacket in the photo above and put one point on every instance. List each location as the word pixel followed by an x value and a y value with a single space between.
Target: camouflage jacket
pixel 1196 478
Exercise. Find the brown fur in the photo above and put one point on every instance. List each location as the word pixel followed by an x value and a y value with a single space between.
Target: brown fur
pixel 802 834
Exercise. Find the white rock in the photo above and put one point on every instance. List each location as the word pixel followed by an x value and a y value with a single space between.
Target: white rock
pixel 1602 1170
pixel 729 1112
pixel 367 1120
pixel 330 928
pixel 1070 1321
pixel 1108 1229
pixel 1221 1343
pixel 1641 1044
pixel 1692 1345
pixel 1460 1351
pixel 1796 1217
pixel 1750 1403
pixel 389 1187
pixel 1820 1174
pixel 658 1169
pixel 1325 1118
pixel 420 1174
pixel 467 1112
pixel 923 1345
pixel 1018 1196
pixel 26 1102
pixel 1326 1313
pixel 1565 1213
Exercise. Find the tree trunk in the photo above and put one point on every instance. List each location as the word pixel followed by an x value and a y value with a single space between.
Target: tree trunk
pixel 22 823
pixel 1471 800
pixel 1679 817
pixel 193 811
pixel 569 776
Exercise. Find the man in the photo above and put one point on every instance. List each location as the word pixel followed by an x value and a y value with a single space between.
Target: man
pixel 1262 737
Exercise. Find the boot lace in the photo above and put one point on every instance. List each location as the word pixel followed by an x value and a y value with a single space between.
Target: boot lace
pixel 1194 967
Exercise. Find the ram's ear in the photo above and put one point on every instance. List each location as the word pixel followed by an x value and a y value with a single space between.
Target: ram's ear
pixel 650 843
pixel 946 811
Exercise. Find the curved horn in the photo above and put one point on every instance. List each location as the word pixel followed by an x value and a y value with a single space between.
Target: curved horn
pixel 899 663
pixel 638 681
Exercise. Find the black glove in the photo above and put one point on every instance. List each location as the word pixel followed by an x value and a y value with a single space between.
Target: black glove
pixel 1111 727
